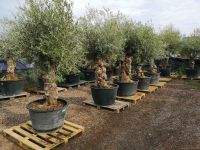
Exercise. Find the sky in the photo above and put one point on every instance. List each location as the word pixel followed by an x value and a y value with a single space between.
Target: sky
pixel 183 14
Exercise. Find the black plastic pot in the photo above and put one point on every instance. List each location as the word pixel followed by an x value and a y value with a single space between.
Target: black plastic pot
pixel 155 78
pixel 191 73
pixel 165 72
pixel 41 84
pixel 89 75
pixel 11 87
pixel 127 89
pixel 143 83
pixel 47 120
pixel 72 79
pixel 104 96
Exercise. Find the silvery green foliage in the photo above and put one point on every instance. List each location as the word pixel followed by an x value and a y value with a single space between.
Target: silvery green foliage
pixel 102 35
pixel 49 35
pixel 191 45
pixel 9 43
pixel 143 43
pixel 171 38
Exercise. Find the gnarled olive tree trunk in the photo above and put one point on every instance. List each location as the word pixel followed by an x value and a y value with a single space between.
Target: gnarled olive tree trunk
pixel 139 71
pixel 10 72
pixel 153 69
pixel 50 87
pixel 101 76
pixel 125 71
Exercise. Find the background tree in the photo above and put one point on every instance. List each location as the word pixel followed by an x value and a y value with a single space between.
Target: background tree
pixel 10 49
pixel 171 37
pixel 191 47
pixel 103 39
pixel 48 35
pixel 144 44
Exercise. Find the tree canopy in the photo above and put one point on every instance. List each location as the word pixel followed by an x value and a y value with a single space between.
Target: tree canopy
pixel 171 38
pixel 49 35
pixel 102 35
pixel 191 45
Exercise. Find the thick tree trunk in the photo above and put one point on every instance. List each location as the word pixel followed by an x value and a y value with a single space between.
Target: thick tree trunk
pixel 125 71
pixel 101 76
pixel 153 68
pixel 139 71
pixel 11 70
pixel 50 87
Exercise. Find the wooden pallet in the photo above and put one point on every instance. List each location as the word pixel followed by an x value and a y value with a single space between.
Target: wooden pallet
pixel 68 85
pixel 151 89
pixel 23 94
pixel 163 79
pixel 27 138
pixel 186 78
pixel 119 105
pixel 159 85
pixel 92 81
pixel 132 99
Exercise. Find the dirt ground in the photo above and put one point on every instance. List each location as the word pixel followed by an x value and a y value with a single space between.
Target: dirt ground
pixel 168 119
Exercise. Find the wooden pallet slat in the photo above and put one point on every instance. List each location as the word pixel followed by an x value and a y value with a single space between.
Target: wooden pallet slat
pixel 27 138
pixel 165 79
pixel 186 78
pixel 134 98
pixel 23 94
pixel 160 84
pixel 150 89
pixel 119 105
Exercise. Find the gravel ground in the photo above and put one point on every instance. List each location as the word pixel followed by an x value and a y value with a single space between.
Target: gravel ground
pixel 168 119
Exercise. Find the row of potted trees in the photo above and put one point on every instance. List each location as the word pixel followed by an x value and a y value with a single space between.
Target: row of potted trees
pixel 46 33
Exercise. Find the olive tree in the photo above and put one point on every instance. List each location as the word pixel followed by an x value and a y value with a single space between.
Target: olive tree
pixel 103 39
pixel 10 49
pixel 171 37
pixel 49 37
pixel 144 45
pixel 191 47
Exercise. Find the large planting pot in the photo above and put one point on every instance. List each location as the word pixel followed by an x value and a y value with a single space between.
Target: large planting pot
pixel 191 73
pixel 89 75
pixel 104 96
pixel 47 120
pixel 11 87
pixel 72 79
pixel 143 83
pixel 127 89
pixel 165 72
pixel 155 78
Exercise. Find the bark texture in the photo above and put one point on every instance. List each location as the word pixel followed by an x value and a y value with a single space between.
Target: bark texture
pixel 125 71
pixel 101 76
pixel 153 69
pixel 10 75
pixel 50 87
pixel 140 72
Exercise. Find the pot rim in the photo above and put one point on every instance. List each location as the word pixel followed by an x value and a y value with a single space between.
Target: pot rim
pixel 115 86
pixel 135 81
pixel 146 77
pixel 28 106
